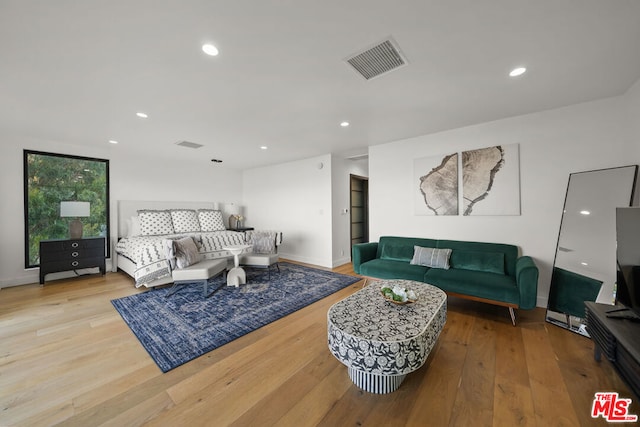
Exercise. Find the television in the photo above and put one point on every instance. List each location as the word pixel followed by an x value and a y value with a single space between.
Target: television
pixel 628 264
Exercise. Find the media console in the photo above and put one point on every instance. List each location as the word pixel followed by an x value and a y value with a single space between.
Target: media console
pixel 619 340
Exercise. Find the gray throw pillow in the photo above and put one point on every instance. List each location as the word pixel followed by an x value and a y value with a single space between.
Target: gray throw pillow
pixel 431 257
pixel 186 252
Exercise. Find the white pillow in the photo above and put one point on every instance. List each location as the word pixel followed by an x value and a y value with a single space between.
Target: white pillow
pixel 184 220
pixel 210 220
pixel 155 223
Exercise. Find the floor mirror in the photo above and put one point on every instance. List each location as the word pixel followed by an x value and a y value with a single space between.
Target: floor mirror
pixel 584 267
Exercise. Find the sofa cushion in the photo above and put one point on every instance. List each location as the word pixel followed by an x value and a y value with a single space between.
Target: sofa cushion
pixel 431 257
pixel 389 269
pixel 490 262
pixel 510 251
pixel 491 286
pixel 401 248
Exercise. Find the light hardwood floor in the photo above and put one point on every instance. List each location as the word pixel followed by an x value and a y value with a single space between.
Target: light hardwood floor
pixel 67 358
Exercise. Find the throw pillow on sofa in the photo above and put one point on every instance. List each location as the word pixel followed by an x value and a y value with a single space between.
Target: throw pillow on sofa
pixel 181 253
pixel 431 257
pixel 489 262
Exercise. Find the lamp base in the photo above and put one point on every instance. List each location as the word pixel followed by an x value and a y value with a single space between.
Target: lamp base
pixel 75 229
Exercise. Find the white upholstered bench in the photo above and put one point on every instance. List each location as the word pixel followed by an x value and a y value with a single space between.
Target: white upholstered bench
pixel 201 271
pixel 256 260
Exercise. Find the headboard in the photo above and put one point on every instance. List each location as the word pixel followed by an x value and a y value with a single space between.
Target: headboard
pixel 129 208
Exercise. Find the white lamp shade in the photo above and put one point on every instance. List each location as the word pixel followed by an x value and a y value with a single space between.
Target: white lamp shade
pixel 234 209
pixel 75 209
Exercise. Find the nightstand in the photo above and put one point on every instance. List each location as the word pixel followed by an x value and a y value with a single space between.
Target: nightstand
pixel 73 254
pixel 241 229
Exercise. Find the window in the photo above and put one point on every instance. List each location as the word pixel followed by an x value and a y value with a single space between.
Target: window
pixel 50 179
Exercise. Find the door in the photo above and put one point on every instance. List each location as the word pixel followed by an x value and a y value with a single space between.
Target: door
pixel 359 191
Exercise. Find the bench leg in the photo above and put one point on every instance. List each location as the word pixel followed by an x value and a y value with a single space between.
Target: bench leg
pixel 174 288
pixel 206 283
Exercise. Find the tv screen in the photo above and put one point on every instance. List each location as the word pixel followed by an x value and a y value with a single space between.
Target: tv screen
pixel 628 258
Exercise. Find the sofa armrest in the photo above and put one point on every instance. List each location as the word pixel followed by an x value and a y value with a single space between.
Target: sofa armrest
pixel 361 253
pixel 527 282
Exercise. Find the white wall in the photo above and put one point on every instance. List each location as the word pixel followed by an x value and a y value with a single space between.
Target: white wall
pixel 341 169
pixel 130 179
pixel 633 99
pixel 294 198
pixel 552 145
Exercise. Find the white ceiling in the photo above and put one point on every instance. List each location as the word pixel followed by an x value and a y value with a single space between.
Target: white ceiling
pixel 78 71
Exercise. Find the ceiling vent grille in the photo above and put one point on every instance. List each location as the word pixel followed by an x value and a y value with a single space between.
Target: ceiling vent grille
pixel 377 60
pixel 188 144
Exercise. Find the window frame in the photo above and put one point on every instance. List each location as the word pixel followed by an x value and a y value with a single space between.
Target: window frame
pixel 25 180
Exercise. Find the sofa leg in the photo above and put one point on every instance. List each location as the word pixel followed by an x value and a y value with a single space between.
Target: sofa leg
pixel 513 316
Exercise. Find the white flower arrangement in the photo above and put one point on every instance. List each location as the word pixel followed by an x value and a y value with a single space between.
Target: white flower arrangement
pixel 399 294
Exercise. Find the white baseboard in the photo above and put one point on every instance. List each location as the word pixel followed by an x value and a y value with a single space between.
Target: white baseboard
pixel 32 276
pixel 341 261
pixel 306 260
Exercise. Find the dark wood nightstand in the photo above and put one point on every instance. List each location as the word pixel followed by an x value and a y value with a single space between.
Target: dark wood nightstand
pixel 74 254
pixel 241 229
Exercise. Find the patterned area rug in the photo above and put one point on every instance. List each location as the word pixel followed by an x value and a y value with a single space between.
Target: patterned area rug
pixel 178 328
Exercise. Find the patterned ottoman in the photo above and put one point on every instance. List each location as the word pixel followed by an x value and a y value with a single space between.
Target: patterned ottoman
pixel 381 342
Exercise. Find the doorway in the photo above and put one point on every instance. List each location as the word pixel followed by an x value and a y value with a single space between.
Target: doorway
pixel 359 203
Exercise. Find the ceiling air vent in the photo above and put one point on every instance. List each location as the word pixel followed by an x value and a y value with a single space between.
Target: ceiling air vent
pixel 188 144
pixel 377 60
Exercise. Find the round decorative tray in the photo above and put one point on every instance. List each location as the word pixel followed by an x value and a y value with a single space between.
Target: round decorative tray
pixel 409 301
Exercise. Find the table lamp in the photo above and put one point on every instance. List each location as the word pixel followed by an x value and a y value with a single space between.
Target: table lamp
pixel 234 213
pixel 76 210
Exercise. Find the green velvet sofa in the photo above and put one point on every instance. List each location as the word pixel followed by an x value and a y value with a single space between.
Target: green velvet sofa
pixel 486 272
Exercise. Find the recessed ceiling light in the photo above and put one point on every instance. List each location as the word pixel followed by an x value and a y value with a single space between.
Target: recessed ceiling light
pixel 111 141
pixel 264 147
pixel 344 124
pixel 517 71
pixel 210 49
pixel 142 115
pixel 584 263
pixel 585 213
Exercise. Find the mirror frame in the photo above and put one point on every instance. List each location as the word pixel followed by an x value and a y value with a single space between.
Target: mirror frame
pixel 564 319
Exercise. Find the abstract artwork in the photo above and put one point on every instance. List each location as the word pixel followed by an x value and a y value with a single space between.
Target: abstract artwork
pixel 491 181
pixel 437 185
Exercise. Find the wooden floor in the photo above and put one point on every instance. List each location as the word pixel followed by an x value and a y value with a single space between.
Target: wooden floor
pixel 67 358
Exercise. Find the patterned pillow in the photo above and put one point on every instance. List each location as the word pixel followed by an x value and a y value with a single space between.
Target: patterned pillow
pixel 263 242
pixel 184 220
pixel 155 223
pixel 431 257
pixel 210 220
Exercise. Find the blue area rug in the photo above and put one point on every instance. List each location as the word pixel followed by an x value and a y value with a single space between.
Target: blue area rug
pixel 185 325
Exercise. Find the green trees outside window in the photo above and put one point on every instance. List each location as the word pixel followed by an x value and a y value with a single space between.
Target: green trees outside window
pixel 53 178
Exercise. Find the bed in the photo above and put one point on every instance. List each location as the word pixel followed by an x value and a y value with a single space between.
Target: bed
pixel 144 226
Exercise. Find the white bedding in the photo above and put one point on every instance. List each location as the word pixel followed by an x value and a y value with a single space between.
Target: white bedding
pixel 148 254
